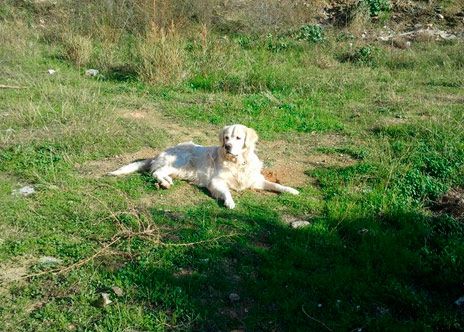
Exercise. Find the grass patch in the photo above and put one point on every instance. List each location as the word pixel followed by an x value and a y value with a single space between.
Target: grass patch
pixel 373 257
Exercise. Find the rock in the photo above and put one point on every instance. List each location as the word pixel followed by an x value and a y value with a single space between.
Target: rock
pixel 459 302
pixel 24 191
pixel 295 222
pixel 234 297
pixel 446 36
pixel 49 260
pixel 440 16
pixel 91 72
pixel 117 291
pixel 299 224
pixel 51 71
pixel 103 300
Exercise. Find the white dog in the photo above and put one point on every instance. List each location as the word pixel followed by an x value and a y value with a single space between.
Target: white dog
pixel 232 165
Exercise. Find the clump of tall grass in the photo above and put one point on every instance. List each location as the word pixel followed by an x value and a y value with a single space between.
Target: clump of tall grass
pixel 161 56
pixel 77 48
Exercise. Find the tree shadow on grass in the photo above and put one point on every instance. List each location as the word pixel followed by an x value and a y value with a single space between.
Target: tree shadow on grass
pixel 364 273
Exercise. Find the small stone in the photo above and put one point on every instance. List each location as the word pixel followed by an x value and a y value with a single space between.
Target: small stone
pixel 103 300
pixel 49 260
pixel 117 291
pixel 319 305
pixel 51 71
pixel 234 297
pixel 460 301
pixel 24 191
pixel 440 16
pixel 91 72
pixel 299 224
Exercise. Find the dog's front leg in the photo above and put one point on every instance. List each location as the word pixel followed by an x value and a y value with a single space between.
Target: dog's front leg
pixel 263 184
pixel 220 190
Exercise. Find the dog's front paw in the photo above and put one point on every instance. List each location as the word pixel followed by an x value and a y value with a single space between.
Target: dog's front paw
pixel 229 203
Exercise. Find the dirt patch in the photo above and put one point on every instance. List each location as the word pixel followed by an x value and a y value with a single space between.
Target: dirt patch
pixel 11 272
pixel 180 195
pixel 451 203
pixel 98 168
pixel 287 161
pixel 154 118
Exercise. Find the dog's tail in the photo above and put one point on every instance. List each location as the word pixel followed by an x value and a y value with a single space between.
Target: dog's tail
pixel 142 165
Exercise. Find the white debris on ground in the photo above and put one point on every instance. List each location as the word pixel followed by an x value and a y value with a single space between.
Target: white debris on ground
pixel 460 301
pixel 295 222
pixel 49 260
pixel 234 297
pixel 418 32
pixel 51 71
pixel 91 72
pixel 23 191
pixel 103 300
pixel 117 291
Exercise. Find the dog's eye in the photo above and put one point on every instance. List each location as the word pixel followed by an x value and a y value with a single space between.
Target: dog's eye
pixel 238 137
pixel 227 137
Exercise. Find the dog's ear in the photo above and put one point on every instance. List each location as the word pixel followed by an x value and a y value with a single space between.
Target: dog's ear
pixel 221 136
pixel 251 138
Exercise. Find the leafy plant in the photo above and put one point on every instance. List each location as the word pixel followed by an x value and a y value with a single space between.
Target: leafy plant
pixel 378 6
pixel 362 55
pixel 310 33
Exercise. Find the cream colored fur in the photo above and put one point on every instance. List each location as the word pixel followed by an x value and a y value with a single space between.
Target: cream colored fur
pixel 232 165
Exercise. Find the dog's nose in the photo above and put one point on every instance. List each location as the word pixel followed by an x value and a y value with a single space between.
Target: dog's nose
pixel 228 146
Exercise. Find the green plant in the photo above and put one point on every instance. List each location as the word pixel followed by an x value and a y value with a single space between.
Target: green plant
pixel 363 55
pixel 276 44
pixel 378 6
pixel 310 33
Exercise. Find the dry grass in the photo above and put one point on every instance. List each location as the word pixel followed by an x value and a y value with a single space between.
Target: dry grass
pixel 161 56
pixel 77 48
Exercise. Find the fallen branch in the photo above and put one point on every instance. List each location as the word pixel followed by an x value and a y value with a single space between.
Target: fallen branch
pixel 4 86
pixel 314 319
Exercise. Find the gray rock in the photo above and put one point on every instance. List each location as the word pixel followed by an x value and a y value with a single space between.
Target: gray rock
pixel 234 297
pixel 91 72
pixel 295 222
pixel 460 301
pixel 299 224
pixel 24 191
pixel 49 260
pixel 117 291
pixel 103 300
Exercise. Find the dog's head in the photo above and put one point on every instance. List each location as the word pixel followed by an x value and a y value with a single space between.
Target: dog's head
pixel 237 140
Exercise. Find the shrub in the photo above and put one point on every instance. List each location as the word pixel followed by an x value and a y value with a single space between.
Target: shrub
pixel 77 48
pixel 310 33
pixel 378 6
pixel 364 55
pixel 161 57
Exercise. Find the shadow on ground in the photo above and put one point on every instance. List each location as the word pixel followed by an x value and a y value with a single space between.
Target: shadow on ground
pixel 359 274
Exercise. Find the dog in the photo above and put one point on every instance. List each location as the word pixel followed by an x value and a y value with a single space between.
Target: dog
pixel 231 165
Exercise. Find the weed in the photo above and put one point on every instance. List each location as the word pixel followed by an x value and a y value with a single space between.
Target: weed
pixel 378 6
pixel 364 55
pixel 310 33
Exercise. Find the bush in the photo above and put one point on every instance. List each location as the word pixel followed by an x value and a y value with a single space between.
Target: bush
pixel 378 6
pixel 364 55
pixel 310 33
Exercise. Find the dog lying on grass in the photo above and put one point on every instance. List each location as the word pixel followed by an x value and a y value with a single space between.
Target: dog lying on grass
pixel 232 165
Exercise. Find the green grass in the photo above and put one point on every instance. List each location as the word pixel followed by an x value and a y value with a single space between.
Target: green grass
pixel 373 257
